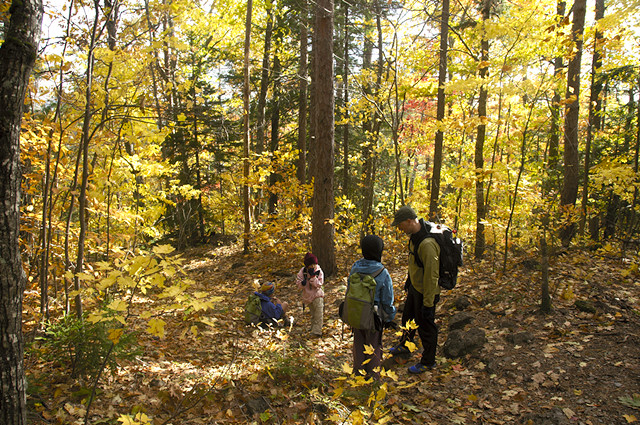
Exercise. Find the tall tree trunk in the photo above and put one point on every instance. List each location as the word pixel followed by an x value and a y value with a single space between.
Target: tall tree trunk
pixel 569 192
pixel 302 86
pixel 17 57
pixel 346 171
pixel 480 137
pixel 274 177
pixel 246 139
pixel 553 161
pixel 84 146
pixel 370 125
pixel 442 79
pixel 323 231
pixel 595 105
pixel 264 85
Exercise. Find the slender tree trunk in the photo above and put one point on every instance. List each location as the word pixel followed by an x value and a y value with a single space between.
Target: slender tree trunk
pixel 17 57
pixel 302 86
pixel 569 192
pixel 553 161
pixel 323 231
pixel 545 303
pixel 264 85
pixel 594 110
pixel 637 150
pixel 346 172
pixel 246 138
pixel 275 134
pixel 480 137
pixel 84 146
pixel 442 80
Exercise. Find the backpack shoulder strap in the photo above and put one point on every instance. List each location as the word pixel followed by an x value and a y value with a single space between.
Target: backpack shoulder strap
pixel 416 244
pixel 377 272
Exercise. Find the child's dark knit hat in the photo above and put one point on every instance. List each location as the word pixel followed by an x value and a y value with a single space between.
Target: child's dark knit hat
pixel 372 247
pixel 310 259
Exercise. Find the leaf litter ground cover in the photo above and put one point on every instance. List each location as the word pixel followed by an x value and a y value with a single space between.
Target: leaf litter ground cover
pixel 580 364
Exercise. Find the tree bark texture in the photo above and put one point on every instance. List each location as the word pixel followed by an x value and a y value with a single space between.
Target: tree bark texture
pixel 17 57
pixel 302 86
pixel 442 80
pixel 595 106
pixel 246 138
pixel 323 231
pixel 569 192
pixel 481 210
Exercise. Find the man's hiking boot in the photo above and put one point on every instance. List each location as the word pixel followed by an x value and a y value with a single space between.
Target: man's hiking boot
pixel 420 368
pixel 399 350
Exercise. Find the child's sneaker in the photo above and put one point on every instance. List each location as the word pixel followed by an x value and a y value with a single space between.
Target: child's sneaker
pixel 420 368
pixel 399 350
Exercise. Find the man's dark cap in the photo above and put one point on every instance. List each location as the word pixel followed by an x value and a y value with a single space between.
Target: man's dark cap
pixel 404 213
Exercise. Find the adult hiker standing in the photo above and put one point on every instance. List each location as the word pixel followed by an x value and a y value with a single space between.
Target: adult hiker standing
pixel 423 292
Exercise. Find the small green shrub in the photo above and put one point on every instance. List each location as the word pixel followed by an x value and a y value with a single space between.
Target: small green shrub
pixel 82 346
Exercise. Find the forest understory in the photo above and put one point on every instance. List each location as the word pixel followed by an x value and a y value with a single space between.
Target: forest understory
pixel 579 364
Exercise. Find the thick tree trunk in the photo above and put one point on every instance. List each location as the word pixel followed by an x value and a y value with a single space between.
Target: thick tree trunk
pixel 17 56
pixel 442 79
pixel 569 192
pixel 323 232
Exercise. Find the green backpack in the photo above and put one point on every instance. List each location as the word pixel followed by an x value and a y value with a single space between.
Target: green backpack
pixel 357 310
pixel 252 310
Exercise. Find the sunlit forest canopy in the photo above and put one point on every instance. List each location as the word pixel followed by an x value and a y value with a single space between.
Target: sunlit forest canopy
pixel 175 154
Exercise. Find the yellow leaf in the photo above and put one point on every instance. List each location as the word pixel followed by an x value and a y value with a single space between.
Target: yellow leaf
pixel 194 330
pixel 95 318
pixel 389 374
pixel 120 319
pixel 126 420
pixel 338 392
pixel 118 305
pixel 114 335
pixel 163 249
pixel 346 368
pixel 368 349
pixel 630 418
pixel 156 327
pixel 411 324
pixel 145 314
pixel 411 346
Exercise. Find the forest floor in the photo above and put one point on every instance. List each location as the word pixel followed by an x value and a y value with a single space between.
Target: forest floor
pixel 578 364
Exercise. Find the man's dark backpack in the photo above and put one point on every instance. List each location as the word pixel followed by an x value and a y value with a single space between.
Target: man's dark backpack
pixel 451 250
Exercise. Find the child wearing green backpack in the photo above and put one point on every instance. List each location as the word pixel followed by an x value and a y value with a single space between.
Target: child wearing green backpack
pixel 372 247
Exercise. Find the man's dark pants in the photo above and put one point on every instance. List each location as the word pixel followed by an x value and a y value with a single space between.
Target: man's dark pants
pixel 425 318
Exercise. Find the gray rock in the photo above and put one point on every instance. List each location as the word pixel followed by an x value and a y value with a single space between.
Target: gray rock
pixel 462 303
pixel 460 320
pixel 460 343
pixel 520 338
